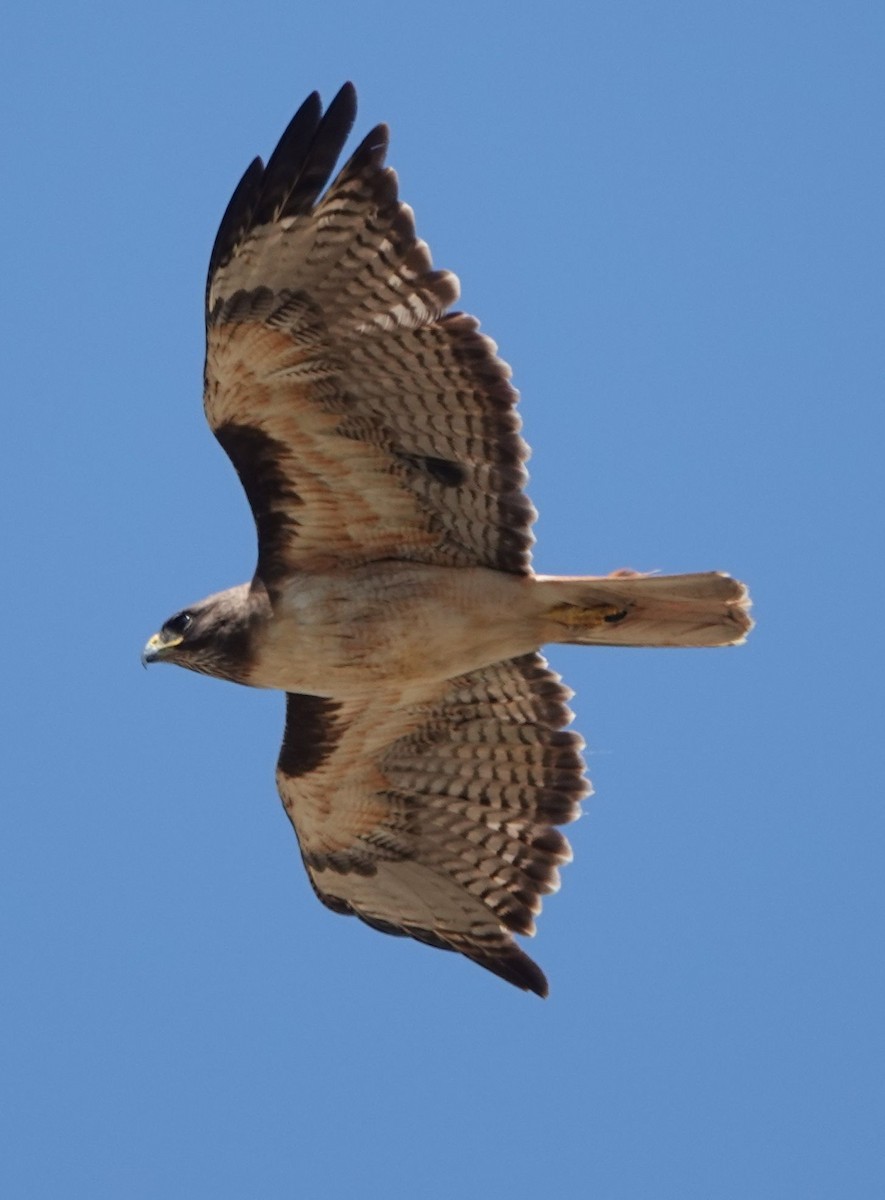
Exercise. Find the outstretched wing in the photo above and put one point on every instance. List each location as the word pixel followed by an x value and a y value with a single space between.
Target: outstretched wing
pixel 364 422
pixel 436 819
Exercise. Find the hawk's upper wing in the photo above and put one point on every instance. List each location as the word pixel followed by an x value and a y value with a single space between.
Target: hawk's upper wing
pixel 435 819
pixel 363 423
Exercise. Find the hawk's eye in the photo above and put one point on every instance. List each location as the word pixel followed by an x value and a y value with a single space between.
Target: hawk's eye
pixel 178 625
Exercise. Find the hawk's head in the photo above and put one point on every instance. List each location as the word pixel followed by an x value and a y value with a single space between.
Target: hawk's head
pixel 215 636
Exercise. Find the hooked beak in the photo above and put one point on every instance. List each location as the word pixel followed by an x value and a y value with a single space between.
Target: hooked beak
pixel 156 647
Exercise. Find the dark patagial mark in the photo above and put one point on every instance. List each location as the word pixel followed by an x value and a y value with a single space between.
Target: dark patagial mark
pixel 258 459
pixel 311 735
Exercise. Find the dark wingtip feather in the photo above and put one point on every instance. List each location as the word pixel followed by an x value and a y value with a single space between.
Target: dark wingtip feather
pixel 285 164
pixel 346 94
pixel 296 172
pixel 237 217
pixel 514 966
pixel 322 154
pixel 370 153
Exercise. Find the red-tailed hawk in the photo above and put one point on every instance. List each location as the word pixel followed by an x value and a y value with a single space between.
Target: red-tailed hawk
pixel 425 764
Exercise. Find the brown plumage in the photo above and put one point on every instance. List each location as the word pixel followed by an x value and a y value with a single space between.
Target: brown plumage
pixel 425 762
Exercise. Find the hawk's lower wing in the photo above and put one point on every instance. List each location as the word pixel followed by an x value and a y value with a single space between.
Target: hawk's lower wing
pixel 435 819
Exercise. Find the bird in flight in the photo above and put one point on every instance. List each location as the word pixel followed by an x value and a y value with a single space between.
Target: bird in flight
pixel 425 764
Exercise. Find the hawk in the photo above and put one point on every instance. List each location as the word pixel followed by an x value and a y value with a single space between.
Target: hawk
pixel 426 764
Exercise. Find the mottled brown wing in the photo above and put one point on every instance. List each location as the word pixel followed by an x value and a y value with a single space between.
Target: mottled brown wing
pixel 436 819
pixel 363 421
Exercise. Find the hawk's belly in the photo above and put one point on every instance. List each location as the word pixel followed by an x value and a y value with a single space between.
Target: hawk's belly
pixel 337 633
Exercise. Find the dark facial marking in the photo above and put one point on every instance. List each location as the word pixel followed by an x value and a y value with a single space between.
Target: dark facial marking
pixel 179 624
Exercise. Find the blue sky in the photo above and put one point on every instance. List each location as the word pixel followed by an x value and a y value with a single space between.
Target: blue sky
pixel 670 217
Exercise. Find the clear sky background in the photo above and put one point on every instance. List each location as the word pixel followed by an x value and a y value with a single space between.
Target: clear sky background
pixel 670 216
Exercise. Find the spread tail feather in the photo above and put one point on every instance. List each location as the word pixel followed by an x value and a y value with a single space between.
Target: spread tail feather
pixel 628 609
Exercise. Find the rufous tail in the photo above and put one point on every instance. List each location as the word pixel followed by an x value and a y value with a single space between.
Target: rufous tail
pixel 629 609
